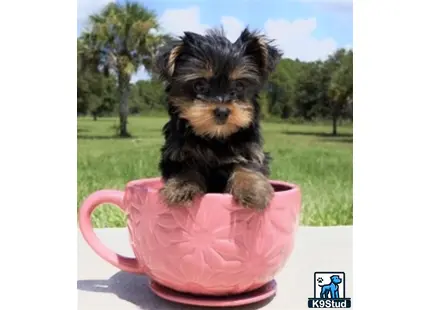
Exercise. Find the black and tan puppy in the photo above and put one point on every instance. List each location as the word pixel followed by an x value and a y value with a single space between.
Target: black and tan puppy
pixel 212 140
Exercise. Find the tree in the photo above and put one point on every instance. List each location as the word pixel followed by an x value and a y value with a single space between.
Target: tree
pixel 147 95
pixel 95 91
pixel 122 38
pixel 340 88
pixel 278 89
pixel 308 92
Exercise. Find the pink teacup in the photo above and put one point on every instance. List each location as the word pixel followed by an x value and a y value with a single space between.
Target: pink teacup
pixel 214 247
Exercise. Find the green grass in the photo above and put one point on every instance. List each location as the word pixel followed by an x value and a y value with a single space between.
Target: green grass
pixel 303 154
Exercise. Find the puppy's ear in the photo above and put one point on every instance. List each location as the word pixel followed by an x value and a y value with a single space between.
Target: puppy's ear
pixel 191 38
pixel 166 60
pixel 265 55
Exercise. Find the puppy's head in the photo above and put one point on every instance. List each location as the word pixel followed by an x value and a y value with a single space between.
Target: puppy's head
pixel 212 82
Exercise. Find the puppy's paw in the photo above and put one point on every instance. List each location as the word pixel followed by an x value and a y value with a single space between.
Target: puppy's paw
pixel 251 189
pixel 180 193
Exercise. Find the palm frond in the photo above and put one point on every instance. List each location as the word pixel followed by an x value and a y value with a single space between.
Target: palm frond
pixel 124 37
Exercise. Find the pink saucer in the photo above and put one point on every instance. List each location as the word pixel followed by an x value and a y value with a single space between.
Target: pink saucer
pixel 262 293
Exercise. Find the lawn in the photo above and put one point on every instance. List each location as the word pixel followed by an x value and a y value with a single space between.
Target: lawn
pixel 303 154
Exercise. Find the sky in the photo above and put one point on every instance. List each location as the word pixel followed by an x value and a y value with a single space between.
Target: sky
pixel 303 29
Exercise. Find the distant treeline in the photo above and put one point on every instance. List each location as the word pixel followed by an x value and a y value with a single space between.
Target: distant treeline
pixel 296 89
pixel 301 91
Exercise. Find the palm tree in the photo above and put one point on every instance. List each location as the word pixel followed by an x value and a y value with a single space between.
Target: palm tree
pixel 122 38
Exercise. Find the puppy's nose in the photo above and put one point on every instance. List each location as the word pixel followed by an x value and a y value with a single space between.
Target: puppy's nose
pixel 221 113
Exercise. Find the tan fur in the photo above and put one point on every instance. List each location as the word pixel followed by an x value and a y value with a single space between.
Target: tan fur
pixel 199 74
pixel 172 59
pixel 250 188
pixel 201 117
pixel 182 189
pixel 246 70
pixel 264 51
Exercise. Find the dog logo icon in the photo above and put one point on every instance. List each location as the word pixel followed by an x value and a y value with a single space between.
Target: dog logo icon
pixel 329 291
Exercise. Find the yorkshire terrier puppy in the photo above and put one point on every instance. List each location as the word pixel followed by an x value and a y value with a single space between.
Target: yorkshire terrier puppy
pixel 213 142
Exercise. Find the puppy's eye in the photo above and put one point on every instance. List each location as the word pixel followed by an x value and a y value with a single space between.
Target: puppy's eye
pixel 201 86
pixel 239 87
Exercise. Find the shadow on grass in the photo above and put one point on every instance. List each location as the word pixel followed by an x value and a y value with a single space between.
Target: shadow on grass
pixel 316 134
pixel 340 140
pixel 97 137
pixel 135 289
pixel 99 119
pixel 323 136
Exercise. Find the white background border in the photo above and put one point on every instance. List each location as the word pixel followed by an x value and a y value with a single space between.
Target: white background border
pixel 38 157
pixel 38 248
pixel 391 154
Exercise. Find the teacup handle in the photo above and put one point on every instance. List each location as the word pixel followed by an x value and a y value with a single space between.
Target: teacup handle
pixel 89 205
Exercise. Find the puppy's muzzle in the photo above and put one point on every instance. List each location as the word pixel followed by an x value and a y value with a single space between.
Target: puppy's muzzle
pixel 221 114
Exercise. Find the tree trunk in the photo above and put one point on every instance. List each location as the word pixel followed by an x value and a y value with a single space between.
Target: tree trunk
pixel 124 89
pixel 285 112
pixel 334 132
pixel 335 113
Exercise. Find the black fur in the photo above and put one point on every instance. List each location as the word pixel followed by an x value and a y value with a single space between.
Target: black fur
pixel 213 158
